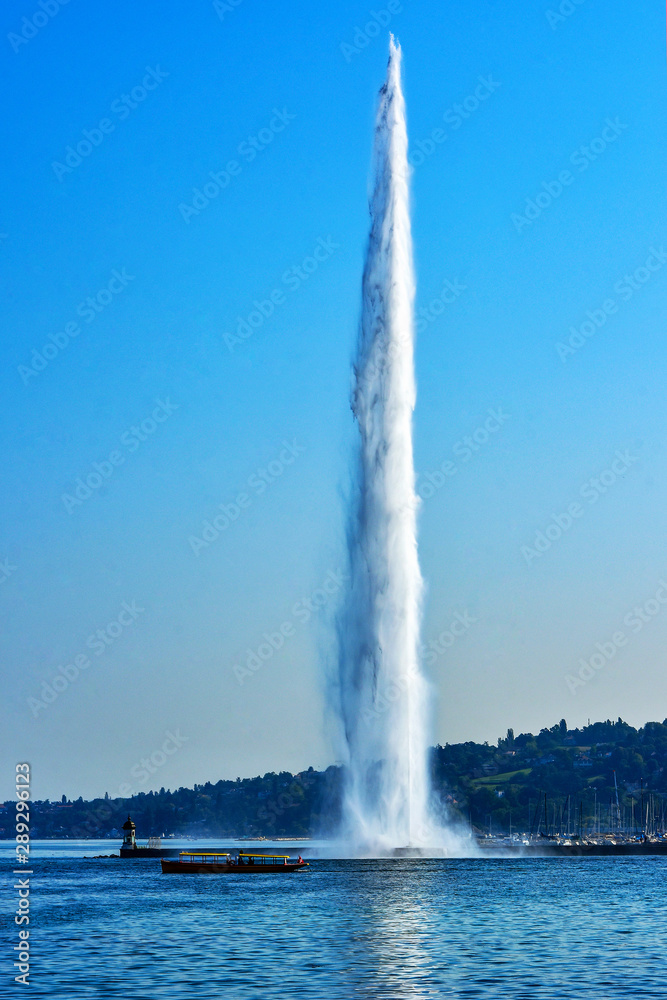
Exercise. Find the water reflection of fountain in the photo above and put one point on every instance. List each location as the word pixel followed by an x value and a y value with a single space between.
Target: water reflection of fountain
pixel 390 952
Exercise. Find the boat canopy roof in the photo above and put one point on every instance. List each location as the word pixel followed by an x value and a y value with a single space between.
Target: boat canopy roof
pixel 204 854
pixel 243 854
pixel 226 854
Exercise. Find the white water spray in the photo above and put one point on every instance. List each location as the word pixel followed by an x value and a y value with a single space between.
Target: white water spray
pixel 383 695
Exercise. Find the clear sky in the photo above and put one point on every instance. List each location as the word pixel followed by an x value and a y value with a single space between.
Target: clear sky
pixel 211 367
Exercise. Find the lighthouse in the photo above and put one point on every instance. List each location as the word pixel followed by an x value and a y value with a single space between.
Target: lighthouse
pixel 131 849
pixel 129 841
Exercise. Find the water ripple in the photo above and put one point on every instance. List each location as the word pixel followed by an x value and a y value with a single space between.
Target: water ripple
pixel 408 929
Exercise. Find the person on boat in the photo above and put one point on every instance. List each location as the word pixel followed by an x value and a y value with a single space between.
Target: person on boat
pixel 300 860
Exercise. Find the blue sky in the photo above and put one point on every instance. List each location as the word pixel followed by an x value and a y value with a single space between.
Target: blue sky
pixel 150 390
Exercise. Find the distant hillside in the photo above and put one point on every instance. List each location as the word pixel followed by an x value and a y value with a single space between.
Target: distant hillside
pixel 573 767
pixel 488 786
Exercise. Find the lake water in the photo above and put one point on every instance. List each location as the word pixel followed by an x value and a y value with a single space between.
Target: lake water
pixel 489 928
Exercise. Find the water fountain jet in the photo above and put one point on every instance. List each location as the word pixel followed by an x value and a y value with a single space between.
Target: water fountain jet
pixel 383 694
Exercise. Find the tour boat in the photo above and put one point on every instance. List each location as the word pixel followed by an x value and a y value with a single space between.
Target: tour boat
pixel 193 863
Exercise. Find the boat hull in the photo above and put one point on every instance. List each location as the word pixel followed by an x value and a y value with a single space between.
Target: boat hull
pixel 202 868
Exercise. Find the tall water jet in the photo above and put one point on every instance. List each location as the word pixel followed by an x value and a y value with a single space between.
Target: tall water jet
pixel 383 695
